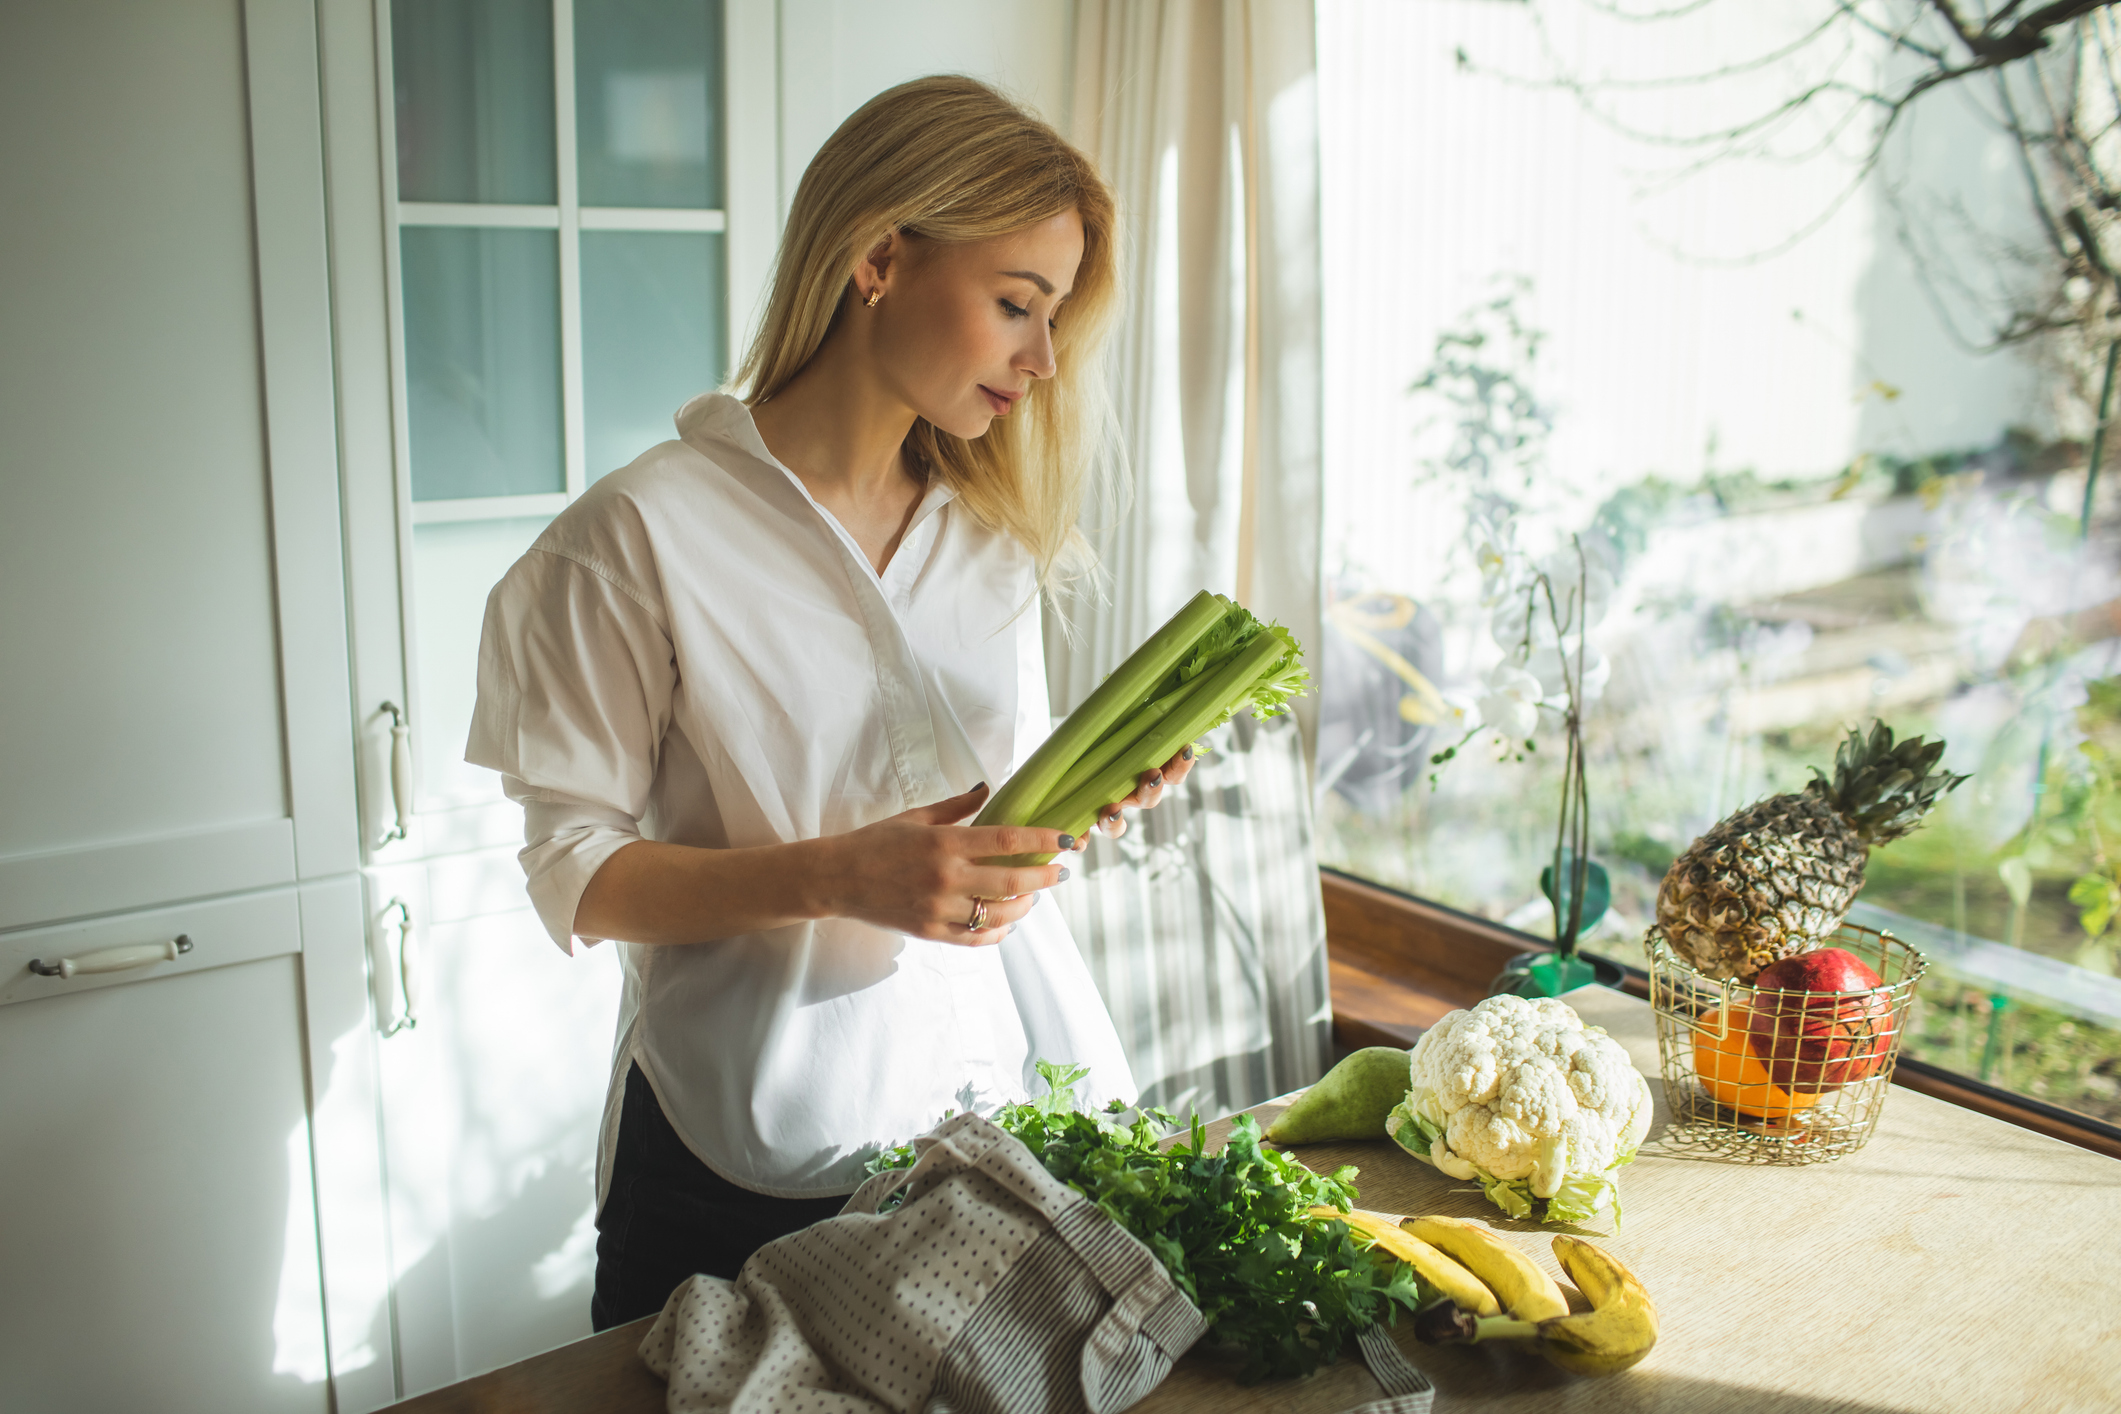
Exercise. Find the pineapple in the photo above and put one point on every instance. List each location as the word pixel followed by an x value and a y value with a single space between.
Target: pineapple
pixel 1775 878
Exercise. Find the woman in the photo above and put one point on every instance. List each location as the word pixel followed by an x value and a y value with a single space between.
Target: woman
pixel 748 687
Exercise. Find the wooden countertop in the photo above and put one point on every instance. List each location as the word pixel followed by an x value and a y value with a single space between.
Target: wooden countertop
pixel 1955 1263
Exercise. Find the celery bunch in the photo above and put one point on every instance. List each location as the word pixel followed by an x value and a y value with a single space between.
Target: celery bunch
pixel 1212 659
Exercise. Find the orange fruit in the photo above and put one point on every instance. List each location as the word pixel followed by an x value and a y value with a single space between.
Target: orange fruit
pixel 1734 1076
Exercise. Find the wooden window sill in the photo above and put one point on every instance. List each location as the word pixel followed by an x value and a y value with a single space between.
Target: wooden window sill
pixel 1398 963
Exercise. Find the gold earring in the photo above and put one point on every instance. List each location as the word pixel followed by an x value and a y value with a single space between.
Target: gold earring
pixel 874 295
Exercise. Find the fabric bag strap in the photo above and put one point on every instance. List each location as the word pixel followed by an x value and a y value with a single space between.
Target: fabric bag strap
pixel 1144 1298
pixel 1141 1290
pixel 1407 1389
pixel 1145 1302
pixel 876 1190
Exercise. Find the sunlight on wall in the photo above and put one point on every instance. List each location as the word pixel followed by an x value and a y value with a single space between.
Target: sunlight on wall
pixel 571 1266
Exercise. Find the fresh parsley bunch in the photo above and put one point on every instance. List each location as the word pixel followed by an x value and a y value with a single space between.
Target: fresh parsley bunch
pixel 1231 1227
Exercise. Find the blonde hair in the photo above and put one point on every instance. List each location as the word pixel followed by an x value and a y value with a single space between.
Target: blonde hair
pixel 949 159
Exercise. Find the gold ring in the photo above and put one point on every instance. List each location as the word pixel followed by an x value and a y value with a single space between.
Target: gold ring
pixel 979 916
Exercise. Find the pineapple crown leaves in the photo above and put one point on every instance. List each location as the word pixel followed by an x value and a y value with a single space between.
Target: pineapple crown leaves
pixel 1881 787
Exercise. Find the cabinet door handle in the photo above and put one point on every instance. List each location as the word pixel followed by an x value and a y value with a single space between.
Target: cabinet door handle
pixel 408 970
pixel 114 959
pixel 400 774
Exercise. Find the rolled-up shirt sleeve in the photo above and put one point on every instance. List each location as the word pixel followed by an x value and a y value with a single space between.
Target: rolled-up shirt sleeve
pixel 565 843
pixel 575 681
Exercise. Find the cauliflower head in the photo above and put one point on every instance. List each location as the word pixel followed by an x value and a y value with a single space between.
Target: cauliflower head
pixel 1520 1096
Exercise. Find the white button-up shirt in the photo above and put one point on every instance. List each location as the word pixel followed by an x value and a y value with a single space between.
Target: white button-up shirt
pixel 697 651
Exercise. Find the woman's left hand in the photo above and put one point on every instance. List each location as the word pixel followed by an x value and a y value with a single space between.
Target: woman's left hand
pixel 1147 793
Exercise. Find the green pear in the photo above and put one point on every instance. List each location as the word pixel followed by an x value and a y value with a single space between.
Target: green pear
pixel 1351 1101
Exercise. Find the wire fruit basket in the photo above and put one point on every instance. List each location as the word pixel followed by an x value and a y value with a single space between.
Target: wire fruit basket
pixel 1770 1076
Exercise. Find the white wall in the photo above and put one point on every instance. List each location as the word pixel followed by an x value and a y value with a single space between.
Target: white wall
pixel 838 54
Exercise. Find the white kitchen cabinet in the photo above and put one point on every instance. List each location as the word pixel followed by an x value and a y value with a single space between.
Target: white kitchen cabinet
pixel 160 1251
pixel 491 1113
pixel 221 554
pixel 188 1147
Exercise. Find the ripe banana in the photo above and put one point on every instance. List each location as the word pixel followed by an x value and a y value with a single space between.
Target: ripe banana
pixel 1622 1324
pixel 1614 1334
pixel 1527 1293
pixel 1457 1285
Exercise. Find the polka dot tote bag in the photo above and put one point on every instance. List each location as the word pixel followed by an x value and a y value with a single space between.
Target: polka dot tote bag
pixel 993 1288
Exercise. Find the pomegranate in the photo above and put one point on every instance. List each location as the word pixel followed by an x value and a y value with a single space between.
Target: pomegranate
pixel 1840 1029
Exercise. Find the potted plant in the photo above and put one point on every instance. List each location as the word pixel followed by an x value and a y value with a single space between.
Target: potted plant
pixel 1543 612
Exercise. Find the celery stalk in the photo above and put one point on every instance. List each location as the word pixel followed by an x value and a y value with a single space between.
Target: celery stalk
pixel 1216 698
pixel 1222 641
pixel 1109 706
pixel 1129 731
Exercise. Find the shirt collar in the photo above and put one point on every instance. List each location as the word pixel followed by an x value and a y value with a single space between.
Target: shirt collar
pixel 714 420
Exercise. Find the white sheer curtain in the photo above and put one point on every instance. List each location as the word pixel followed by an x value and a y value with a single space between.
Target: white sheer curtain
pixel 1203 116
pixel 1203 925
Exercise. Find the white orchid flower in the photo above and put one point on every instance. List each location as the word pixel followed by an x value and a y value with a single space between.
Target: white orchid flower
pixel 1555 672
pixel 1511 703
pixel 1521 619
pixel 1497 576
pixel 1583 586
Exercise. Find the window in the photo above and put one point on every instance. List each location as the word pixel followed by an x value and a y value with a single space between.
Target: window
pixel 1748 383
pixel 559 278
pixel 560 269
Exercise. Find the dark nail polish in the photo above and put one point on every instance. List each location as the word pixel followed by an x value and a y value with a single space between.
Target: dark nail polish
pixel 1155 781
pixel 1064 875
pixel 1186 753
pixel 981 786
pixel 1067 841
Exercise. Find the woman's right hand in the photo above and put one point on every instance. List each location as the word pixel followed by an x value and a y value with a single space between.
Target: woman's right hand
pixel 919 872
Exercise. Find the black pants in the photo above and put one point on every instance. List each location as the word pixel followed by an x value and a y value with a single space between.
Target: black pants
pixel 668 1216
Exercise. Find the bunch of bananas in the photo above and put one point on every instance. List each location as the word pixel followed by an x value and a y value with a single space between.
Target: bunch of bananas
pixel 1488 1290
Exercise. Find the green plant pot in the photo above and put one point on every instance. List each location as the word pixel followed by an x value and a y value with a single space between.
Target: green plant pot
pixel 1549 974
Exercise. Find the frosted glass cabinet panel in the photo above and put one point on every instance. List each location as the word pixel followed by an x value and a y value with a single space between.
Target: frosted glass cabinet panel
pixel 648 111
pixel 652 336
pixel 482 361
pixel 474 100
